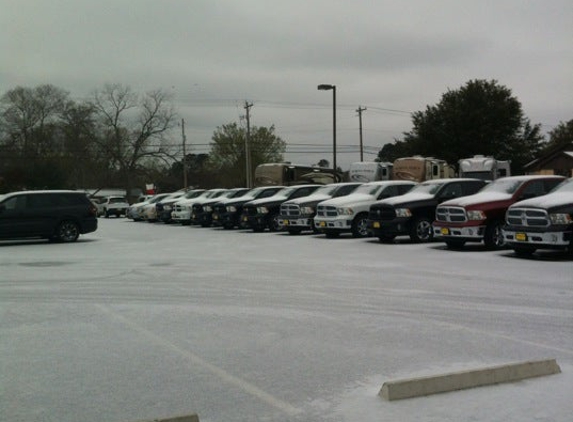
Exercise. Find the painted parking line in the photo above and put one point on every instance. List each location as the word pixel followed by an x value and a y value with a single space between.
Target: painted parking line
pixel 196 360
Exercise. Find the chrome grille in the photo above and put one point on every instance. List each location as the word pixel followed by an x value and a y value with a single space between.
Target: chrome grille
pixel 528 217
pixel 326 211
pixel 451 214
pixel 290 210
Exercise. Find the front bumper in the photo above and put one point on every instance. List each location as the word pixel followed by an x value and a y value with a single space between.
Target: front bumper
pixel 389 228
pixel 550 239
pixel 468 233
pixel 301 222
pixel 333 224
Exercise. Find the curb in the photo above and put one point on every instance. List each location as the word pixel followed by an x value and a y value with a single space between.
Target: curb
pixel 188 418
pixel 423 386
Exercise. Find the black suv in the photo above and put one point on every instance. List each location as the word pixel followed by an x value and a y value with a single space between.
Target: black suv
pixel 57 215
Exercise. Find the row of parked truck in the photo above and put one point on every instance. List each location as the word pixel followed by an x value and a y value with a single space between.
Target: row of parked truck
pixel 524 213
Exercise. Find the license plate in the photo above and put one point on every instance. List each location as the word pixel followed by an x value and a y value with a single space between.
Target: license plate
pixel 322 224
pixel 376 224
pixel 522 237
pixel 445 231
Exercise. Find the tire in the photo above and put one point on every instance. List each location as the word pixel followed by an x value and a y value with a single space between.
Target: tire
pixel 455 244
pixel 493 237
pixel 421 231
pixel 275 224
pixel 105 213
pixel 66 232
pixel 386 238
pixel 360 226
pixel 523 251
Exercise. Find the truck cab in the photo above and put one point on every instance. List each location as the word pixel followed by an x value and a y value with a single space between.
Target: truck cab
pixel 480 217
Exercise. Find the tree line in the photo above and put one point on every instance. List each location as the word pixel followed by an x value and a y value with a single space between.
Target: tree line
pixel 481 117
pixel 115 139
pixel 118 138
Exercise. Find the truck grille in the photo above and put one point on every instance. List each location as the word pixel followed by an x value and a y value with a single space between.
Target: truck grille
pixel 451 214
pixel 382 212
pixel 220 208
pixel 290 210
pixel 326 211
pixel 179 208
pixel 250 210
pixel 528 217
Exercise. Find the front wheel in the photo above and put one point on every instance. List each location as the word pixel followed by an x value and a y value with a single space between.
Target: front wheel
pixel 67 231
pixel 275 223
pixel 421 231
pixel 360 226
pixel 493 237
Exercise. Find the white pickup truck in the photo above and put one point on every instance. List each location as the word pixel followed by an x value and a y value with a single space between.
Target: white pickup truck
pixel 350 213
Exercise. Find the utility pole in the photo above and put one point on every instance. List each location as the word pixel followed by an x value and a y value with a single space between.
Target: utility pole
pixel 248 147
pixel 360 110
pixel 184 154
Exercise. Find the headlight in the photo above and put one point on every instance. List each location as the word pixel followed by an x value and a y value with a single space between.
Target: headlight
pixel 207 208
pixel 345 211
pixel 476 215
pixel 560 219
pixel 231 208
pixel 262 210
pixel 307 210
pixel 403 212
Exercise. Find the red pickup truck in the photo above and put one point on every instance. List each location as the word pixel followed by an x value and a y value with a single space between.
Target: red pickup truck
pixel 480 217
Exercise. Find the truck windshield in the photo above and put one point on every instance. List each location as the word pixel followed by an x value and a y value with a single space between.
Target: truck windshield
pixel 503 186
pixel 565 186
pixel 430 188
pixel 368 189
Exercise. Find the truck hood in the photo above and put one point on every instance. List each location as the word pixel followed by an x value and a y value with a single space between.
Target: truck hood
pixel 270 199
pixel 319 197
pixel 408 197
pixel 352 199
pixel 479 198
pixel 551 200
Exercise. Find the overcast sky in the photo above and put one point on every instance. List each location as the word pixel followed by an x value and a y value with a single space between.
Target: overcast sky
pixel 392 57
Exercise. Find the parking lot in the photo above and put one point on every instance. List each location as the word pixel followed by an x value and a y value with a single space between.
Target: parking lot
pixel 141 321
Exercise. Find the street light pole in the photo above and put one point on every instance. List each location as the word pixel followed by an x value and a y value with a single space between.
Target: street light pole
pixel 327 87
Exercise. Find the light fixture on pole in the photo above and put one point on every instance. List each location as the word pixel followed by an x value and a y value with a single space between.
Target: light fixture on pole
pixel 327 87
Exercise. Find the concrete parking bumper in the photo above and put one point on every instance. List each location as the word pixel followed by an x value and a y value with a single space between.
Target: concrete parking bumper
pixel 423 386
pixel 188 418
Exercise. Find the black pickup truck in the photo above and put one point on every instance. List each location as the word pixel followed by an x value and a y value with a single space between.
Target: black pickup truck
pixel 228 212
pixel 264 213
pixel 545 222
pixel 412 214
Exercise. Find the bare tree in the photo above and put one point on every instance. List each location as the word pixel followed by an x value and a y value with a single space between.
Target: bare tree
pixel 134 129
